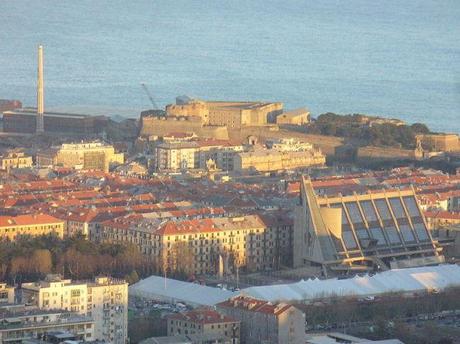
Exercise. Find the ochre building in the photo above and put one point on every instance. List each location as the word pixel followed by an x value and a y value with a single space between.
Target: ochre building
pixel 32 225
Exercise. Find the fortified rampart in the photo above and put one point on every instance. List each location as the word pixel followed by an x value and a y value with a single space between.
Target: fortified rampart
pixel 160 126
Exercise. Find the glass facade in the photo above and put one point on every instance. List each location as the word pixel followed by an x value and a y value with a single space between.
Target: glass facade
pixel 366 216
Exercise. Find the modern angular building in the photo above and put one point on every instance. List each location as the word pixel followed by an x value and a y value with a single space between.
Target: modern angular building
pixel 362 231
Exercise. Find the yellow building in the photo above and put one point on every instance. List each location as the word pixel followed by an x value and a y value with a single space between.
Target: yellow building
pixel 33 225
pixel 285 154
pixel 87 156
pixel 15 159
pixel 295 117
pixel 222 113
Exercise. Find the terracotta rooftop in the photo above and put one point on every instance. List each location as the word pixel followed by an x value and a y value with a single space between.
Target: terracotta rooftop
pixel 254 305
pixel 202 316
pixel 26 220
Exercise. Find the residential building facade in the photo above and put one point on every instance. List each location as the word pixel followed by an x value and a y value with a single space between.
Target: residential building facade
pixel 263 322
pixel 15 159
pixel 105 300
pixel 208 245
pixel 206 322
pixel 19 323
pixel 30 225
pixel 286 154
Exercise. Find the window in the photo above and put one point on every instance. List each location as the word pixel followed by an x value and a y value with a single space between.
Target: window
pixel 421 231
pixel 411 206
pixel 393 235
pixel 397 207
pixel 407 234
pixel 383 209
pixel 349 240
pixel 354 212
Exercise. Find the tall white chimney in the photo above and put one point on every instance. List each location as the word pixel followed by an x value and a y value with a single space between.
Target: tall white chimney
pixel 40 93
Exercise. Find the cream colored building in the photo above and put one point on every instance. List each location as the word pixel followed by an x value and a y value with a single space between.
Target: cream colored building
pixel 15 159
pixel 105 300
pixel 233 115
pixel 440 142
pixel 207 322
pixel 183 155
pixel 31 225
pixel 87 156
pixel 294 117
pixel 6 293
pixel 286 154
pixel 264 322
pixel 210 245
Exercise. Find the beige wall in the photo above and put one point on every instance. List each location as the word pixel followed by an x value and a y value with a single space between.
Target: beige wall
pixel 269 160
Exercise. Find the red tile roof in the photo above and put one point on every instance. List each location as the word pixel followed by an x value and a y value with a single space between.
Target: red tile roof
pixel 202 316
pixel 26 220
pixel 254 305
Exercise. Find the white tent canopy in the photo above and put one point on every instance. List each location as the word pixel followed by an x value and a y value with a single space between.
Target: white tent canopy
pixel 398 280
pixel 171 290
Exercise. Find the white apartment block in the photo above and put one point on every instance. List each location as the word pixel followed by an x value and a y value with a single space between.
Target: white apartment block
pixel 105 300
pixel 20 323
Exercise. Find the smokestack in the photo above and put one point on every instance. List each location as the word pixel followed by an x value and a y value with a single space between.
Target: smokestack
pixel 40 92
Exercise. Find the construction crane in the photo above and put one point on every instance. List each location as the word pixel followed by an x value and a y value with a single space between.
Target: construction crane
pixel 144 86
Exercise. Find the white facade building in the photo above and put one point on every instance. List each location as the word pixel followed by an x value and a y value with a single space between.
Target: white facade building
pixel 105 300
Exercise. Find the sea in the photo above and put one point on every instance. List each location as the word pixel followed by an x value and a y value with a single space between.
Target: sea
pixel 392 58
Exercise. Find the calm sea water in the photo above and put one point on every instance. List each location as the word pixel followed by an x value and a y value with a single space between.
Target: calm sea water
pixel 392 58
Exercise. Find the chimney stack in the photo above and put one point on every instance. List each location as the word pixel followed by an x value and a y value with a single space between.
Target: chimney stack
pixel 40 93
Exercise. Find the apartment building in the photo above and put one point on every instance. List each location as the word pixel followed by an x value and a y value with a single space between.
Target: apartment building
pixel 6 294
pixel 105 300
pixel 206 245
pixel 179 155
pixel 264 322
pixel 440 218
pixel 206 322
pixel 284 154
pixel 32 225
pixel 86 156
pixel 20 323
pixel 15 159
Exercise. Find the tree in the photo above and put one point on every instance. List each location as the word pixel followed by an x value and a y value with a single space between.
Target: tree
pixel 420 128
pixel 41 261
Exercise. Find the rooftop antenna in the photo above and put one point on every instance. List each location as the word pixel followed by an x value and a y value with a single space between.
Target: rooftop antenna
pixel 40 128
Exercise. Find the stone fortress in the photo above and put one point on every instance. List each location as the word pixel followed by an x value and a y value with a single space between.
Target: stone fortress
pixel 210 119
